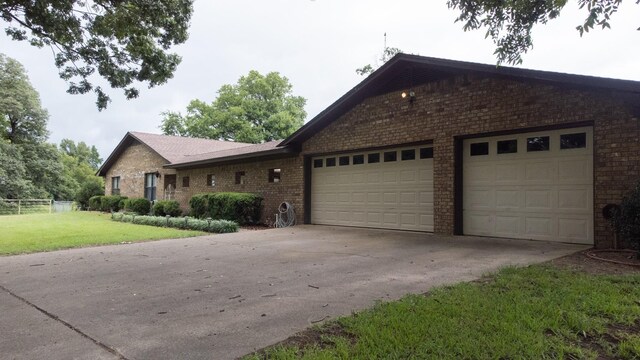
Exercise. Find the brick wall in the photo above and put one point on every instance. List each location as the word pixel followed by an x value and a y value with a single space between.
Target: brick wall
pixel 135 161
pixel 475 105
pixel 256 181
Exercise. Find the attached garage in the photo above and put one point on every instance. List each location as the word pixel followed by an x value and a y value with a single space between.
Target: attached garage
pixel 389 189
pixel 536 185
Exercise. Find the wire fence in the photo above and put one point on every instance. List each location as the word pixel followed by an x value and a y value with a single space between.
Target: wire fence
pixel 34 206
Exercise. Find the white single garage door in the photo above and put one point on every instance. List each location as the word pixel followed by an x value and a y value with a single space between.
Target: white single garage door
pixel 530 186
pixel 390 189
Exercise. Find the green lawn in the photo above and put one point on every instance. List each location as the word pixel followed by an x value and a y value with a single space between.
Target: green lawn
pixel 521 313
pixel 45 232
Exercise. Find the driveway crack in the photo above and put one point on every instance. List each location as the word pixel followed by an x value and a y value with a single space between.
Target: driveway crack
pixel 58 319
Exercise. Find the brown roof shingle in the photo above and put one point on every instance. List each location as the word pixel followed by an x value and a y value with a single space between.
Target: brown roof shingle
pixel 174 148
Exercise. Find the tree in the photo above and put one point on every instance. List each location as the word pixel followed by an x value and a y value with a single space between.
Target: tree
pixel 258 108
pixel 82 153
pixel 13 175
pixel 123 41
pixel 509 23
pixel 22 118
pixel 387 54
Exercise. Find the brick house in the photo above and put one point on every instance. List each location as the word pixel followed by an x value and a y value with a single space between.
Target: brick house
pixel 440 146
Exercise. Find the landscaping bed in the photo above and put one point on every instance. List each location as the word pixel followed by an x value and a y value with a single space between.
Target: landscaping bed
pixel 574 307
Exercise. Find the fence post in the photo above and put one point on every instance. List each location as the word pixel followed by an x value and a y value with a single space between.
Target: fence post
pixel 19 201
pixel 50 205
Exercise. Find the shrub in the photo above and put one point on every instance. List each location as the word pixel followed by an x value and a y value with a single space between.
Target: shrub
pixel 8 207
pixel 87 191
pixel 213 226
pixel 112 203
pixel 243 208
pixel 199 205
pixel 140 206
pixel 166 207
pixel 95 202
pixel 627 218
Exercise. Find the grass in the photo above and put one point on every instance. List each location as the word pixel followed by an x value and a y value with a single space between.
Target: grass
pixel 538 312
pixel 46 232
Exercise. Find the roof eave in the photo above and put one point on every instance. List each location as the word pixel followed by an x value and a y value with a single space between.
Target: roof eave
pixel 102 171
pixel 234 158
pixel 454 66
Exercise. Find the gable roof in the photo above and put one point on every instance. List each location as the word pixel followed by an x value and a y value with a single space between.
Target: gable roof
pixel 404 71
pixel 270 148
pixel 170 148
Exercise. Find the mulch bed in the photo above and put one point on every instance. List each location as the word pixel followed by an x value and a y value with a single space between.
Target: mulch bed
pixel 582 262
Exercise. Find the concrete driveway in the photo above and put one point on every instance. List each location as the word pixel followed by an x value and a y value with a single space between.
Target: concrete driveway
pixel 223 296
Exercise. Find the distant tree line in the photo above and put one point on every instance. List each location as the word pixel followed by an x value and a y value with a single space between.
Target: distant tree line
pixel 30 167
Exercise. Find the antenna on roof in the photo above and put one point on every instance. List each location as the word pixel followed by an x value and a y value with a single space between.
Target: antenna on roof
pixel 385 43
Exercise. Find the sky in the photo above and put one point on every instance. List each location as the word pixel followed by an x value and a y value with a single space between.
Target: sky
pixel 317 45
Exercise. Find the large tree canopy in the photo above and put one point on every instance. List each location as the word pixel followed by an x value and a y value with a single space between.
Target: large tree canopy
pixel 258 108
pixel 509 23
pixel 123 41
pixel 22 118
pixel 29 166
pixel 82 153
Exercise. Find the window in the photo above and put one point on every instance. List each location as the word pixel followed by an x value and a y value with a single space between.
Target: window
pixel 317 163
pixel 358 159
pixel 426 153
pixel 150 186
pixel 185 181
pixel 507 146
pixel 538 143
pixel 240 177
pixel 331 162
pixel 343 160
pixel 573 141
pixel 211 180
pixel 373 158
pixel 478 149
pixel 274 175
pixel 409 154
pixel 390 156
pixel 115 185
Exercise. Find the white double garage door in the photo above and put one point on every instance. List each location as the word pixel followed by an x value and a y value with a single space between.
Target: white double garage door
pixel 530 186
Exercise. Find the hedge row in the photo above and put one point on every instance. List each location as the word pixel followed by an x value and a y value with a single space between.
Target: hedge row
pixel 140 206
pixel 167 207
pixel 107 203
pixel 243 208
pixel 185 223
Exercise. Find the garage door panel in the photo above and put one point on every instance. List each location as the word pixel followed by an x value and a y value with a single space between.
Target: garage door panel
pixel 408 176
pixel 538 199
pixel 540 172
pixel 507 172
pixel 425 199
pixel 538 226
pixel 573 228
pixel 359 198
pixel 408 198
pixel 574 170
pixel 480 173
pixel 507 225
pixel 392 195
pixel 540 195
pixel 479 198
pixel 507 198
pixel 574 199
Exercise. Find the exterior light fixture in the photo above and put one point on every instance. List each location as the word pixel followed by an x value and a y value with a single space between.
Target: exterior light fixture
pixel 411 94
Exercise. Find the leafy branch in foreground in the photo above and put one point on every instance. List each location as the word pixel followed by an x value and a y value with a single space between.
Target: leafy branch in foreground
pixel 122 41
pixel 509 23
